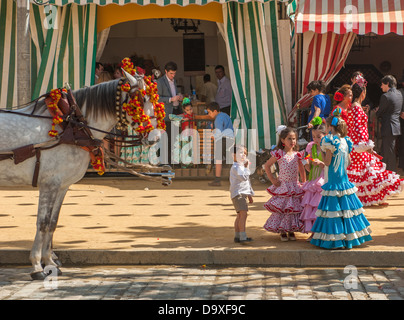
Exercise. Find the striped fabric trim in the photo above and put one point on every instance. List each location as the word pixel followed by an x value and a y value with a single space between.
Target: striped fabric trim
pixel 291 11
pixel 8 39
pixel 323 57
pixel 256 102
pixel 358 16
pixel 146 2
pixel 64 49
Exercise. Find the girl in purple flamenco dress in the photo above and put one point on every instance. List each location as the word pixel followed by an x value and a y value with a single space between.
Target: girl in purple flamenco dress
pixel 314 164
pixel 286 191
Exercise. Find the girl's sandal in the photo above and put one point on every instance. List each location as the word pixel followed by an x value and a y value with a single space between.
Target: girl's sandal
pixel 284 237
pixel 292 236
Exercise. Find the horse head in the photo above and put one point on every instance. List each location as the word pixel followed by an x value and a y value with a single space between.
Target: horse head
pixel 143 111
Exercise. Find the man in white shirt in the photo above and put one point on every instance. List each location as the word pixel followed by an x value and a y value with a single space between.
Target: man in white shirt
pixel 208 91
pixel 224 91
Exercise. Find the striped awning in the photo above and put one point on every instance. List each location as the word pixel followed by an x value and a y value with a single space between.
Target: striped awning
pixel 357 16
pixel 63 54
pixel 142 2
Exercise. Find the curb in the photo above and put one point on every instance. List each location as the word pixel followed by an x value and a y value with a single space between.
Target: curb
pixel 218 257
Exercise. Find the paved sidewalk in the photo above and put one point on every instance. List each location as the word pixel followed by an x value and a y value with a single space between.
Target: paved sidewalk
pixel 129 221
pixel 205 283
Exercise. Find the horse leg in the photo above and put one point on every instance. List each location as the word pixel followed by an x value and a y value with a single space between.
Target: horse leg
pixel 48 255
pixel 45 207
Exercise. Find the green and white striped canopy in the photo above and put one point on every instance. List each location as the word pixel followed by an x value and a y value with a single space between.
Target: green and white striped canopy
pixel 65 53
pixel 253 52
pixel 145 2
pixel 8 67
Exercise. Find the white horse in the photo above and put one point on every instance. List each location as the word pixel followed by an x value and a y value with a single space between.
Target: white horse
pixel 60 166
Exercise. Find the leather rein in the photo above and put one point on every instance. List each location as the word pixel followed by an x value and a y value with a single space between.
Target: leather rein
pixel 76 131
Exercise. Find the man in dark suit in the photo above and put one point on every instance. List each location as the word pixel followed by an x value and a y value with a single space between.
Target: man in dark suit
pixel 388 113
pixel 168 93
pixel 167 90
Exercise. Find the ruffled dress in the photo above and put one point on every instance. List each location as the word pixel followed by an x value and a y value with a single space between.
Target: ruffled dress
pixel 312 189
pixel 340 220
pixel 366 171
pixel 285 203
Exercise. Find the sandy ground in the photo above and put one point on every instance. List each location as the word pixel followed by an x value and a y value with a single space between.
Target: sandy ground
pixel 132 214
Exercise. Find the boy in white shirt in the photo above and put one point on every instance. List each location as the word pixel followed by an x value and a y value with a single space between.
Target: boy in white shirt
pixel 240 190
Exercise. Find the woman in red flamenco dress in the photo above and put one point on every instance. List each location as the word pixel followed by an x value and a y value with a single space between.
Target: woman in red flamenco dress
pixel 366 171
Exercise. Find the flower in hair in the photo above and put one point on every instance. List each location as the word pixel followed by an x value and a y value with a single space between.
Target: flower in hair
pixel 361 81
pixel 280 128
pixel 337 112
pixel 338 96
pixel 316 121
pixel 335 121
pixel 186 101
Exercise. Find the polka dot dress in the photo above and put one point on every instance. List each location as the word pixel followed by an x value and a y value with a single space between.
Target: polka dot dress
pixel 285 203
pixel 366 171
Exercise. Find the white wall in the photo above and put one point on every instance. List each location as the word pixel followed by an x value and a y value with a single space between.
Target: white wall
pixel 155 39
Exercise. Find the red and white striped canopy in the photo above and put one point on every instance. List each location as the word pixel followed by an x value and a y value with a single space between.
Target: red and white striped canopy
pixel 343 16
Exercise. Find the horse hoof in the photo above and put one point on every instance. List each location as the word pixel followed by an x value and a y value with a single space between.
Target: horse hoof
pixel 49 271
pixel 39 275
pixel 58 263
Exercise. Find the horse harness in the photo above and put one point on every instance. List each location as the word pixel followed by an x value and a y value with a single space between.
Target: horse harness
pixel 75 132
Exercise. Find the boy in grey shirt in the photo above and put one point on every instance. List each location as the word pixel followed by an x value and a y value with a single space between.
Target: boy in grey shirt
pixel 240 190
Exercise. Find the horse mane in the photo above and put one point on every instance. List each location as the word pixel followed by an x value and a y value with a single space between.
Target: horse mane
pixel 94 101
pixel 98 100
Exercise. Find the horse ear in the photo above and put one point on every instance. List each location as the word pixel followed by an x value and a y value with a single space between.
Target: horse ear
pixel 132 80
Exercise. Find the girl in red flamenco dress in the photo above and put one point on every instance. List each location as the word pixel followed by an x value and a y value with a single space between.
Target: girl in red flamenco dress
pixel 366 171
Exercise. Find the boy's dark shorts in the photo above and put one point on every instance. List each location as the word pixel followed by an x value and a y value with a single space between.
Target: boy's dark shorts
pixel 240 203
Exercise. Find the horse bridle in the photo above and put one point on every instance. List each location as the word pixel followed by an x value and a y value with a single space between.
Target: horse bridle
pixel 121 117
pixel 122 121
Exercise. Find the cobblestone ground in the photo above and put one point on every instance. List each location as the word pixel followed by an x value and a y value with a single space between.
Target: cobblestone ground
pixel 205 283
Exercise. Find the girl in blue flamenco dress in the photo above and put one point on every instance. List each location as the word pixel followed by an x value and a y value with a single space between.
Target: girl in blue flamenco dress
pixel 340 220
